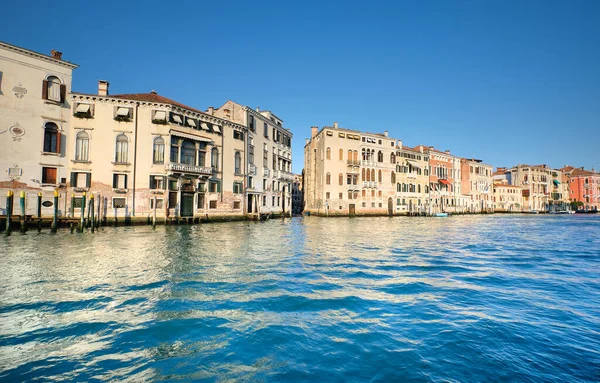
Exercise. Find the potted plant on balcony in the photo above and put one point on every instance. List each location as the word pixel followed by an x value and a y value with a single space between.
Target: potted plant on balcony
pixel 122 118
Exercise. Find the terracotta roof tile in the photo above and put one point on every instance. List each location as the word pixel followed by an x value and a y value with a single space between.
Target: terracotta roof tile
pixel 155 97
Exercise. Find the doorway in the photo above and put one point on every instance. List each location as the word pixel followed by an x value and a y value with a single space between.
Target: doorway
pixel 390 207
pixel 352 209
pixel 187 205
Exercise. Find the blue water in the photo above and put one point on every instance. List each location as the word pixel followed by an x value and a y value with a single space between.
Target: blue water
pixel 460 299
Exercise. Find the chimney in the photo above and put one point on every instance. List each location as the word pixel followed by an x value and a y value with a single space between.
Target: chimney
pixel 335 125
pixel 399 144
pixel 307 141
pixel 315 130
pixel 258 109
pixel 211 110
pixel 103 87
pixel 447 152
pixel 56 54
pixel 153 91
pixel 385 133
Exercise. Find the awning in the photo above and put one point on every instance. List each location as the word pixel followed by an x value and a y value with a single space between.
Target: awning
pixel 160 115
pixel 217 128
pixel 189 136
pixel 413 163
pixel 445 182
pixel 83 108
pixel 556 182
pixel 177 119
pixel 191 122
pixel 123 112
pixel 204 126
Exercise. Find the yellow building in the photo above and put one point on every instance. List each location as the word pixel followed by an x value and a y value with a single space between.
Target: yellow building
pixel 507 198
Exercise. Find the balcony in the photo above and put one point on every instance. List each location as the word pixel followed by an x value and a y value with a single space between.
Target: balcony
pixel 353 163
pixel 266 172
pixel 369 184
pixel 184 168
pixel 252 169
pixel 353 187
pixel 367 163
pixel 285 175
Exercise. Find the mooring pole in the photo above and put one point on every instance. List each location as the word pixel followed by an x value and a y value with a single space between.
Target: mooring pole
pixel 154 215
pixel 99 210
pixel 9 208
pixel 92 220
pixel 55 214
pixel 39 211
pixel 82 222
pixel 22 203
pixel 72 205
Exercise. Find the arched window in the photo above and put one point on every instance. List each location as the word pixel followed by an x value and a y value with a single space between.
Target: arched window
pixel 363 175
pixel 328 153
pixel 364 155
pixel 419 188
pixel 51 138
pixel 341 178
pixel 214 158
pixel 341 154
pixel 380 177
pixel 82 145
pixel 122 149
pixel 158 151
pixel 188 152
pixel 398 188
pixel 328 179
pixel 372 174
pixel 356 156
pixel 238 163
pixel 368 175
pixel 393 178
pixel 426 189
pixel 53 89
pixel 392 158
pixel 380 156
pixel 349 155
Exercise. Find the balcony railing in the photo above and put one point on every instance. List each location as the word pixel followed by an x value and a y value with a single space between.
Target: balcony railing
pixel 252 169
pixel 353 163
pixel 353 187
pixel 369 184
pixel 266 172
pixel 367 163
pixel 285 175
pixel 184 168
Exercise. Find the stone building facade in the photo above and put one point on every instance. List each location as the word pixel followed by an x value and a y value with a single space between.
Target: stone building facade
pixel 35 120
pixel 477 185
pixel 507 198
pixel 412 179
pixel 535 180
pixel 269 160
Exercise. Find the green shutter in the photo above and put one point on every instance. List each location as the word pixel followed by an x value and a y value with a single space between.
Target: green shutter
pixel 218 186
pixel 115 181
pixel 88 180
pixel 73 179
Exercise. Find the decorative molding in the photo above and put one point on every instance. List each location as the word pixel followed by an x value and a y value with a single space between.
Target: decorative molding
pixel 17 131
pixel 19 90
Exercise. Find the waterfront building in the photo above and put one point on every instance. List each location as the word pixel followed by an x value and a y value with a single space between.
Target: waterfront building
pixel 477 185
pixel 507 198
pixel 411 179
pixel 348 172
pixel 536 181
pixel 269 160
pixel 35 119
pixel 441 180
pixel 584 186
pixel 143 152
pixel 297 195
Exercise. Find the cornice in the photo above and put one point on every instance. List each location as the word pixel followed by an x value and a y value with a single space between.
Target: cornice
pixel 37 55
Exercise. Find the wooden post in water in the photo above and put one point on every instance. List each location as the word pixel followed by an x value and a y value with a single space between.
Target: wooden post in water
pixel 39 211
pixel 55 214
pixel 22 203
pixel 72 205
pixel 92 220
pixel 154 215
pixel 82 220
pixel 9 209
pixel 99 210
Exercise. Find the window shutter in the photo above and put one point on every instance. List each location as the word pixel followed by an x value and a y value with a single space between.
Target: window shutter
pixel 88 180
pixel 45 90
pixel 125 183
pixel 218 186
pixel 58 139
pixel 63 93
pixel 73 179
pixel 115 181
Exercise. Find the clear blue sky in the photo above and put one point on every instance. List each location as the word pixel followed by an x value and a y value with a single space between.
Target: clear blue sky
pixel 505 81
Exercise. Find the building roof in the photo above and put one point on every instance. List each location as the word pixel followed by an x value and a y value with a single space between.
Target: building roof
pixel 578 172
pixel 38 55
pixel 155 97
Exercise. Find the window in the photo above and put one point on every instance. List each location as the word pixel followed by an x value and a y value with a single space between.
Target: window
pixel 373 175
pixel 53 90
pixel 380 155
pixel 341 196
pixel 341 155
pixel 118 203
pixel 122 149
pixel 380 176
pixel 51 138
pixel 159 203
pixel 349 155
pixel 238 135
pixel 82 141
pixel 188 152
pixel 214 158
pixel 214 186
pixel 266 130
pixel 81 180
pixel 328 179
pixel 392 157
pixel 251 154
pixel 368 175
pixel 119 181
pixel 341 178
pixel 49 175
pixel 264 200
pixel 328 153
pixel 393 178
pixel 158 151
pixel 236 205
pixel 251 122
pixel 237 188
pixel 158 182
pixel 174 150
pixel 237 163
pixel 273 201
pixel 212 204
pixel 327 195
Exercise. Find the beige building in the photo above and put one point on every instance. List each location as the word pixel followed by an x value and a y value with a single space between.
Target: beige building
pixel 507 198
pixel 269 160
pixel 297 195
pixel 347 172
pixel 536 181
pixel 35 120
pixel 411 179
pixel 477 185
pixel 130 150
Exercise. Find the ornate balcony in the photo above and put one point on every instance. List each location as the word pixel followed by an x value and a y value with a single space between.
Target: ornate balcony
pixel 184 168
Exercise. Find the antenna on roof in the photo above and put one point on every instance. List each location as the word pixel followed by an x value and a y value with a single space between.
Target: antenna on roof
pixel 153 91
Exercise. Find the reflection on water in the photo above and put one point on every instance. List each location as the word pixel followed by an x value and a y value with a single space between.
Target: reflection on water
pixel 489 298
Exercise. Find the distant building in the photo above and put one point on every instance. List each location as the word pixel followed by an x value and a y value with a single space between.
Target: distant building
pixel 536 181
pixel 507 198
pixel 35 120
pixel 477 185
pixel 411 179
pixel 297 195
pixel 584 186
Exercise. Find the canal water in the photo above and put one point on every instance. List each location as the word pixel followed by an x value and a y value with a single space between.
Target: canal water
pixel 471 298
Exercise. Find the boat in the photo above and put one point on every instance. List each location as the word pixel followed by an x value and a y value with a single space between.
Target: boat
pixel 440 215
